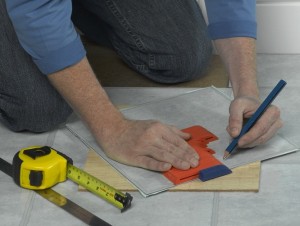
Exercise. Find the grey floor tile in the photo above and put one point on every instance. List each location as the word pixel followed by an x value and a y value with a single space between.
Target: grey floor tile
pixel 13 201
pixel 131 96
pixel 168 209
pixel 123 96
pixel 276 204
pixel 272 68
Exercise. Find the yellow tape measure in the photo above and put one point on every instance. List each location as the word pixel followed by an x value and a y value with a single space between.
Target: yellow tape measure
pixel 41 167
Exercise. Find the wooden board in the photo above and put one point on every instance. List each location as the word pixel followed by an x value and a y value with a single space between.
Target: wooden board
pixel 244 178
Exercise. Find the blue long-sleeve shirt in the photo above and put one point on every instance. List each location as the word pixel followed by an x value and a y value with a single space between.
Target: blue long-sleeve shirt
pixel 46 32
pixel 231 18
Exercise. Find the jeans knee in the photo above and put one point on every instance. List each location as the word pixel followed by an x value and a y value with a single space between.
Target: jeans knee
pixel 188 62
pixel 193 62
pixel 48 117
pixel 35 115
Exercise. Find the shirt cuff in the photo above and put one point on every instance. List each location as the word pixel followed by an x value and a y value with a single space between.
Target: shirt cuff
pixel 231 29
pixel 61 58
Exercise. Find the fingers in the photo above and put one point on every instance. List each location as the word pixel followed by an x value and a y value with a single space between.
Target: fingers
pixel 179 141
pixel 263 130
pixel 180 157
pixel 169 149
pixel 152 164
pixel 235 120
pixel 180 133
pixel 162 159
pixel 152 145
pixel 237 112
pixel 263 138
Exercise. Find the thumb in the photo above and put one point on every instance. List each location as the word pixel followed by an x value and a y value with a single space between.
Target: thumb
pixel 235 119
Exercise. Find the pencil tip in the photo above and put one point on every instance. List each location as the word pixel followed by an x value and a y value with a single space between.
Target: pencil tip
pixel 226 155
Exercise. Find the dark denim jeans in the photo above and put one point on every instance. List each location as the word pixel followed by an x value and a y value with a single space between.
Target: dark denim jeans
pixel 27 99
pixel 166 41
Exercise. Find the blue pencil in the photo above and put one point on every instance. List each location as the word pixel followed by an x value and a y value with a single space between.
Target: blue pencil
pixel 267 102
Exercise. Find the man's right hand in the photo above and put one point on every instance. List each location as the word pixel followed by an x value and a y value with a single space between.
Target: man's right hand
pixel 149 144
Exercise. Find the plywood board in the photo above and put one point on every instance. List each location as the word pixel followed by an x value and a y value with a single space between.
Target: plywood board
pixel 244 178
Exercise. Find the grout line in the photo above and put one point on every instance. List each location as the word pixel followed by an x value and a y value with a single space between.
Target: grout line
pixel 30 201
pixel 51 138
pixel 76 135
pixel 215 209
pixel 28 209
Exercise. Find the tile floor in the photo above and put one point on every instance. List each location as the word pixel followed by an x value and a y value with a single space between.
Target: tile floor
pixel 277 202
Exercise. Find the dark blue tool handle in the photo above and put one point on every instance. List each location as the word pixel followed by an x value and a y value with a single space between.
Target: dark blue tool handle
pixel 262 108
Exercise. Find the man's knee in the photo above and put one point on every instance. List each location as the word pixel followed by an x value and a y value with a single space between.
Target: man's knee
pixel 193 61
pixel 34 114
pixel 188 62
pixel 171 60
pixel 48 117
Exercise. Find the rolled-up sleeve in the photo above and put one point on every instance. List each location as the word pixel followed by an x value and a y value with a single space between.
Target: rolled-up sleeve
pixel 231 18
pixel 45 30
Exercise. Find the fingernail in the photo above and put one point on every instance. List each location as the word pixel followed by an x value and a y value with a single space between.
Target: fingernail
pixel 196 156
pixel 194 162
pixel 167 166
pixel 185 165
pixel 234 131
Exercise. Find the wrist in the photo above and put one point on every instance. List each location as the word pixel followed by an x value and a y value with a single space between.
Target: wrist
pixel 110 123
pixel 247 88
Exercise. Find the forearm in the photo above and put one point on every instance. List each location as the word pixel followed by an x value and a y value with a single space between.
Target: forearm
pixel 143 143
pixel 239 57
pixel 79 86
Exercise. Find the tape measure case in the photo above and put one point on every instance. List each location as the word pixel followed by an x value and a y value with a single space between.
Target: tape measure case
pixel 39 167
